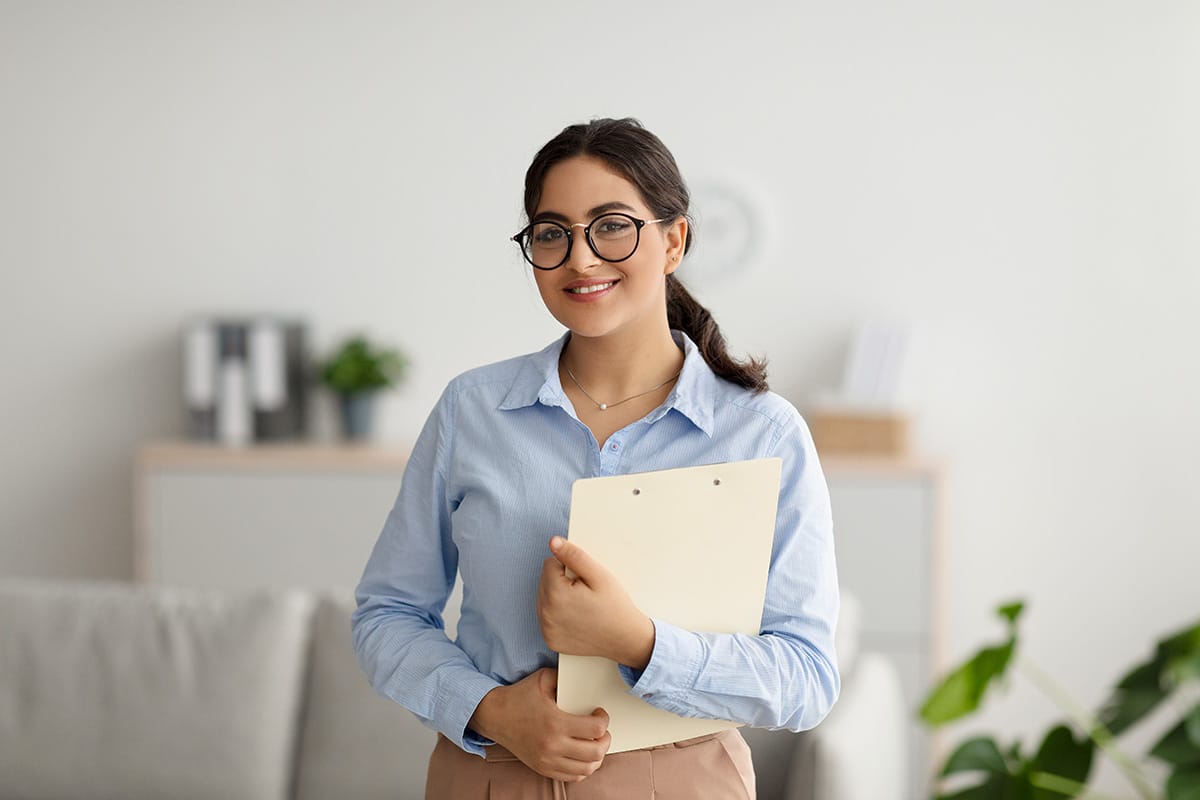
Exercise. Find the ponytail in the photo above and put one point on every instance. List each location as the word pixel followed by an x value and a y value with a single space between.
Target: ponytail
pixel 686 314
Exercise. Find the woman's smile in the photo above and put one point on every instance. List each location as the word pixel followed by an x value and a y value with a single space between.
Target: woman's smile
pixel 590 290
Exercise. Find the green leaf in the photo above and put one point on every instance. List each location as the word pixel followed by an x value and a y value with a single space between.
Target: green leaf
pixel 357 366
pixel 1182 644
pixel 1177 747
pixel 962 690
pixel 1183 669
pixel 1011 611
pixel 1136 694
pixel 994 788
pixel 1176 659
pixel 976 755
pixel 1125 708
pixel 1143 676
pixel 1184 784
pixel 1181 654
pixel 1019 787
pixel 1192 720
pixel 1064 756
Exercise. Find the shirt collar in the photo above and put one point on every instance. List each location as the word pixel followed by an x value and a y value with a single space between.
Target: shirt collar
pixel 694 394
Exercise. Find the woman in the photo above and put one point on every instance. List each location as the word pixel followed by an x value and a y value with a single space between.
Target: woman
pixel 640 381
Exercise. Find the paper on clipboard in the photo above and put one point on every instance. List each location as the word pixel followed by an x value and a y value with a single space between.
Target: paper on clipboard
pixel 692 546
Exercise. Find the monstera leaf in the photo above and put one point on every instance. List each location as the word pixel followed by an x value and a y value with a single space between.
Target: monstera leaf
pixel 1058 770
pixel 961 692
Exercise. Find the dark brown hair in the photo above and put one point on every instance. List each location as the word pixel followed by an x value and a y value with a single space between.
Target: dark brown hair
pixel 642 158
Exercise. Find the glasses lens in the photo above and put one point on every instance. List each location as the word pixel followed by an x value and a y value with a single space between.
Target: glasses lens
pixel 546 244
pixel 615 237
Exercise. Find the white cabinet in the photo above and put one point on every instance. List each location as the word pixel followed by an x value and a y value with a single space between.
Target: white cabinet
pixel 308 516
pixel 261 517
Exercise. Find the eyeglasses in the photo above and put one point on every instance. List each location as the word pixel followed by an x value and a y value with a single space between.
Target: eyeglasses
pixel 613 237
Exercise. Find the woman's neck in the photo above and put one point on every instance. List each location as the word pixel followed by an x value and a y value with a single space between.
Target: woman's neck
pixel 614 367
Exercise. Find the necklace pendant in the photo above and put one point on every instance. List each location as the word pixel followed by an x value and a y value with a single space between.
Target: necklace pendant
pixel 604 406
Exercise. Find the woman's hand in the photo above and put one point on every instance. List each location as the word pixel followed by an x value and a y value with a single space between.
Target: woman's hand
pixel 526 719
pixel 590 614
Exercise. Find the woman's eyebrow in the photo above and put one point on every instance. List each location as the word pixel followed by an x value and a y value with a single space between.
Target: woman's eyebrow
pixel 603 208
pixel 606 207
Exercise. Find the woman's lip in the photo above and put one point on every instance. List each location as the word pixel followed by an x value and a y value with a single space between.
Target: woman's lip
pixel 589 282
pixel 589 297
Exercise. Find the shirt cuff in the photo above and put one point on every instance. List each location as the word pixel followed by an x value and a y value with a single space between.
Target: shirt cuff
pixel 674 665
pixel 468 693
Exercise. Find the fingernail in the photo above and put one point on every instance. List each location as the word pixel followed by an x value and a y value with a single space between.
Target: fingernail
pixel 556 543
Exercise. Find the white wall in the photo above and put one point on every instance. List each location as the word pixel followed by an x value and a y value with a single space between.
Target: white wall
pixel 1016 180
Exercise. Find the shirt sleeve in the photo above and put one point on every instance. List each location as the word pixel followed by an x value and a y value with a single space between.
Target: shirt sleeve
pixel 398 631
pixel 786 676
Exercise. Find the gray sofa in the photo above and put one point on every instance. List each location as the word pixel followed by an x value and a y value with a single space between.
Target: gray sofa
pixel 110 690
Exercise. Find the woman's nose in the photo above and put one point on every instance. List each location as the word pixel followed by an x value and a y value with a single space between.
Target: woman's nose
pixel 581 257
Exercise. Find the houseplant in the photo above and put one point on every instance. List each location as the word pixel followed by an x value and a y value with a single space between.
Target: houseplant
pixel 356 372
pixel 1062 763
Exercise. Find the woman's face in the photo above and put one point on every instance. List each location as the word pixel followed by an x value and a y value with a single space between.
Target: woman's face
pixel 590 296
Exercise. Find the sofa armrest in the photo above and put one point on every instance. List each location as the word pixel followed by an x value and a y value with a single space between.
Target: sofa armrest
pixel 859 751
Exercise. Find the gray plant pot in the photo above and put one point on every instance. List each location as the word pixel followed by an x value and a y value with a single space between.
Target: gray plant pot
pixel 357 411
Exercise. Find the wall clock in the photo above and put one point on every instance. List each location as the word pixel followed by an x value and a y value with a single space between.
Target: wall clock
pixel 732 230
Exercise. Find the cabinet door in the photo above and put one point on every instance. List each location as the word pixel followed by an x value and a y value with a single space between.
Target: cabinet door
pixel 882 530
pixel 884 536
pixel 236 529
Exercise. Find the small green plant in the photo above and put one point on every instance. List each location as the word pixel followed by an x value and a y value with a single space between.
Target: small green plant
pixel 358 366
pixel 1062 763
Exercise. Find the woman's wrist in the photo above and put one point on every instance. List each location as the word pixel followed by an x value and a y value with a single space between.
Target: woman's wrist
pixel 640 647
pixel 487 713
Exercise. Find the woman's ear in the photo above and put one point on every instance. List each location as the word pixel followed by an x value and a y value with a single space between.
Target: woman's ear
pixel 676 235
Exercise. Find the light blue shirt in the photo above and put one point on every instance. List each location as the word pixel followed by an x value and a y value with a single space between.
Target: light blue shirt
pixel 489 482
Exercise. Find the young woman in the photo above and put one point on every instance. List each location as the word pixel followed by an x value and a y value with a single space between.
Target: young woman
pixel 640 381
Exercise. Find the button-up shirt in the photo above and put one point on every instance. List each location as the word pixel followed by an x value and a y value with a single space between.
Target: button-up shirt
pixel 489 482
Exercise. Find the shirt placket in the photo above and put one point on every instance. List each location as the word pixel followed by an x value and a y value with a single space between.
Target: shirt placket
pixel 612 452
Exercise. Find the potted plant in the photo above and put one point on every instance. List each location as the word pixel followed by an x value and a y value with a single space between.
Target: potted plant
pixel 1061 765
pixel 355 373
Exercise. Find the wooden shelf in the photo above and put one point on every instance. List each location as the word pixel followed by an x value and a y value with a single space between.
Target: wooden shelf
pixel 183 454
pixel 303 456
pixel 877 465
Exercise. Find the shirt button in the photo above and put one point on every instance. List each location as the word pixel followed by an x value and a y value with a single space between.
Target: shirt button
pixel 614 446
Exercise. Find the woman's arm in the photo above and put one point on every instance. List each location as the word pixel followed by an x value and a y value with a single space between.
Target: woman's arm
pixel 785 677
pixel 401 644
pixel 399 635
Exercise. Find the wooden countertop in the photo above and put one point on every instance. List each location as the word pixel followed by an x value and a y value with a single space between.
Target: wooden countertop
pixel 182 454
pixel 333 456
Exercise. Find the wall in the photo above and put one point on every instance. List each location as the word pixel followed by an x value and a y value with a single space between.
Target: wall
pixel 1016 181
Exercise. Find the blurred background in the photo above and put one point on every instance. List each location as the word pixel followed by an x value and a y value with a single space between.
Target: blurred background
pixel 1017 184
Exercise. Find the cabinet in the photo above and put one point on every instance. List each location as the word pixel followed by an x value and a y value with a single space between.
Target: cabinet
pixel 303 515
pixel 886 531
pixel 263 517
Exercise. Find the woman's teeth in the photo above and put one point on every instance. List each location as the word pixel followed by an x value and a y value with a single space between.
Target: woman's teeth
pixel 597 287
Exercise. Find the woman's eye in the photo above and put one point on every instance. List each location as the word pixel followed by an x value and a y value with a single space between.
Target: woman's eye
pixel 613 226
pixel 548 235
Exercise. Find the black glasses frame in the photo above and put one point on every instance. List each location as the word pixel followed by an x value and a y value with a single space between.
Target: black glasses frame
pixel 521 237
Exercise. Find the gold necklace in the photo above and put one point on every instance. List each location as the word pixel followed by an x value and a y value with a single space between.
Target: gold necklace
pixel 606 406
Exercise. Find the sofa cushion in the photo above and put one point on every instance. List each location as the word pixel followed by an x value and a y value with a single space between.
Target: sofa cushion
pixel 849 631
pixel 355 743
pixel 113 690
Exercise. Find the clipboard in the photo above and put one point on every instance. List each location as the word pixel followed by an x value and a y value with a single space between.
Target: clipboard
pixel 692 546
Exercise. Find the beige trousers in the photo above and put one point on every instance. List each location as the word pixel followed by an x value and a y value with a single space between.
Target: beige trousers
pixel 713 767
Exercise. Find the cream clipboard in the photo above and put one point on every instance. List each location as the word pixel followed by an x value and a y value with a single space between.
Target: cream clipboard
pixel 692 546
